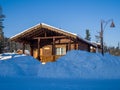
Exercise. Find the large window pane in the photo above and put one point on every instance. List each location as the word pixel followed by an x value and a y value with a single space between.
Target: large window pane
pixel 60 51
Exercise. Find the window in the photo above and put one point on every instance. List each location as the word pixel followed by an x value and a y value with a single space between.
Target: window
pixel 60 51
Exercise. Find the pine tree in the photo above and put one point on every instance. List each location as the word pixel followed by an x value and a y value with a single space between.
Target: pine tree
pixel 88 35
pixel 1 31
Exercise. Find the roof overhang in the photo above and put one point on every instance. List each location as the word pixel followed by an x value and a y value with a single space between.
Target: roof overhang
pixel 39 28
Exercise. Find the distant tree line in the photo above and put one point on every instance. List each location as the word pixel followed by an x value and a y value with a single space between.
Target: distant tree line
pixel 112 50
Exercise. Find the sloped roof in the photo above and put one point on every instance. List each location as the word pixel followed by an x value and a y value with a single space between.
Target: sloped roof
pixel 37 29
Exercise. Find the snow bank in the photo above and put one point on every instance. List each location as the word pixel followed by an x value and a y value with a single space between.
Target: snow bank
pixel 75 64
pixel 82 64
pixel 19 65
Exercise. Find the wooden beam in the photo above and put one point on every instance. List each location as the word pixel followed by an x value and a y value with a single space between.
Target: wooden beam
pixel 31 50
pixel 34 34
pixel 38 49
pixel 50 37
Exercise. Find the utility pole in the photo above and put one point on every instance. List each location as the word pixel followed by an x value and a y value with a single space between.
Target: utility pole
pixel 103 25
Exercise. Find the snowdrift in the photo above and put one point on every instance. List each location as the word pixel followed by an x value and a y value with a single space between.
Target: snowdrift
pixel 75 64
pixel 19 65
pixel 82 64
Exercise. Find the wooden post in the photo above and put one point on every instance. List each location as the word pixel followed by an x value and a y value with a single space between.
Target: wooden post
pixel 31 50
pixel 23 48
pixel 45 34
pixel 53 49
pixel 88 48
pixel 69 45
pixel 67 49
pixel 75 46
pixel 78 46
pixel 38 49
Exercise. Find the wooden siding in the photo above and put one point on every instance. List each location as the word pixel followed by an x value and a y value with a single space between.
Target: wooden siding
pixel 46 51
pixel 83 46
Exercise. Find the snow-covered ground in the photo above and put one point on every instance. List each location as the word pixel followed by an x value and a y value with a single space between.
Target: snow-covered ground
pixel 77 70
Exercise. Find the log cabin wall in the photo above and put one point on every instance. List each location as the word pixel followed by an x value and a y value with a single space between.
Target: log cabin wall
pixel 61 48
pixel 83 46
pixel 65 44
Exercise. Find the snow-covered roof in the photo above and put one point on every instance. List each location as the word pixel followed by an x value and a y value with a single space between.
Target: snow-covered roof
pixel 42 25
pixel 26 30
pixel 49 27
pixel 58 29
pixel 87 41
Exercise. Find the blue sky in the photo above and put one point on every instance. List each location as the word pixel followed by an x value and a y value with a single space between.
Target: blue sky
pixel 71 15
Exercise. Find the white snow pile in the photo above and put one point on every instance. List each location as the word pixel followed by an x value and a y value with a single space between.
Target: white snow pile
pixel 18 65
pixel 75 64
pixel 82 64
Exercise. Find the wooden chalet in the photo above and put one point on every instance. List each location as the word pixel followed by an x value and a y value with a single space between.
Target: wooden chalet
pixel 48 43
